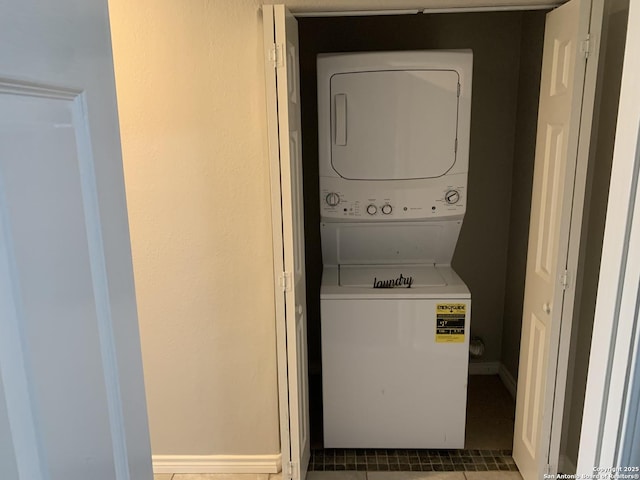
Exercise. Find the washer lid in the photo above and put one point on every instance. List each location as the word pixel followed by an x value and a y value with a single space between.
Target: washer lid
pixel 394 124
pixel 390 276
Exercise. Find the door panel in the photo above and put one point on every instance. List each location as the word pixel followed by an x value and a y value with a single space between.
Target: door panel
pixel 549 197
pixel 532 393
pixel 286 150
pixel 70 362
pixel 287 75
pixel 53 259
pixel 564 121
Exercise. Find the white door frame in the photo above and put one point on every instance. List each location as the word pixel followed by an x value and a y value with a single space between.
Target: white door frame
pixel 596 378
pixel 613 349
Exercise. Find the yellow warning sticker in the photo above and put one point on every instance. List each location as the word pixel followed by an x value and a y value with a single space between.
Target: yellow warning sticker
pixel 450 322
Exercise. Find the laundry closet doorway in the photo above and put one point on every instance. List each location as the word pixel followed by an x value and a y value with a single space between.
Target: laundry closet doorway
pixel 284 57
pixel 482 251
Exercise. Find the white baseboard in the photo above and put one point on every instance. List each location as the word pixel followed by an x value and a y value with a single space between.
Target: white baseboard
pixel 217 463
pixel 566 466
pixel 508 380
pixel 484 368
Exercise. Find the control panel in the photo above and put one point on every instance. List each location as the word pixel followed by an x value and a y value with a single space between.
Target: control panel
pixel 442 197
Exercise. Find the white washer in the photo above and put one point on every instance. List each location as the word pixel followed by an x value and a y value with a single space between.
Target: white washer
pixel 393 148
pixel 391 377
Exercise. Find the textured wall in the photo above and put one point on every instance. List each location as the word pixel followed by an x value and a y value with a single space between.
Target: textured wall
pixel 190 87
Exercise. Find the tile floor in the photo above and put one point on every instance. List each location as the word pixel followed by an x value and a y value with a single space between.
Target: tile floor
pixel 400 460
pixel 352 476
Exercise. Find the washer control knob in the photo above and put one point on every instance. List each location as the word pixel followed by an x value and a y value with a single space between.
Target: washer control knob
pixel 333 199
pixel 452 197
pixel 386 209
pixel 372 209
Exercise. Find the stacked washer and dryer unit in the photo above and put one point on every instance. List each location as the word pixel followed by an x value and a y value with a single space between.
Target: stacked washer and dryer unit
pixel 395 317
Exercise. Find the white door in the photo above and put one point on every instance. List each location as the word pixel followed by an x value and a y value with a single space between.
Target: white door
pixel 72 402
pixel 567 89
pixel 281 45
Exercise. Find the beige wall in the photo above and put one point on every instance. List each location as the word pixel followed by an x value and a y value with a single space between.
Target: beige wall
pixel 190 90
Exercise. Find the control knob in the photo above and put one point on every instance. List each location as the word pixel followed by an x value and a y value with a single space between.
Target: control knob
pixel 372 209
pixel 386 209
pixel 452 197
pixel 332 199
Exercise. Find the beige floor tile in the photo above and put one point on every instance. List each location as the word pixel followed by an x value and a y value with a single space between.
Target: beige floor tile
pixel 493 475
pixel 162 476
pixel 336 476
pixel 415 476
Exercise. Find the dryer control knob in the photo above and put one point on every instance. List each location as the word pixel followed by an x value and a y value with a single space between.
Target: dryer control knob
pixel 332 199
pixel 386 209
pixel 372 209
pixel 452 197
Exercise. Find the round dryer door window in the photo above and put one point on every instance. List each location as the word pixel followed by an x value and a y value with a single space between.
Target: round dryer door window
pixel 394 125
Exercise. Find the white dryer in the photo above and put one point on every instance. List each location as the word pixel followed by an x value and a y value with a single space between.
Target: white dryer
pixel 393 149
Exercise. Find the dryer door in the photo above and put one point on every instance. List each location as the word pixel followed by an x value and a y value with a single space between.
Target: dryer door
pixel 394 125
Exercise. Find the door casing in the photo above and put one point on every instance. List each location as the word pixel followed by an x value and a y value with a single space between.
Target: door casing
pixel 276 200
